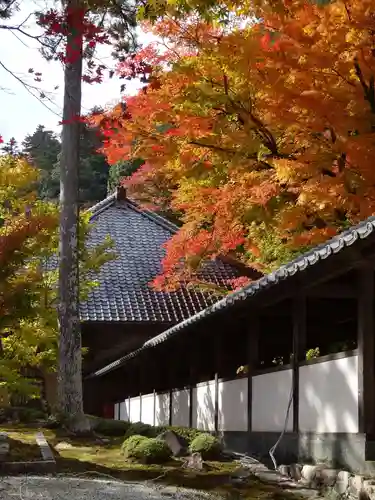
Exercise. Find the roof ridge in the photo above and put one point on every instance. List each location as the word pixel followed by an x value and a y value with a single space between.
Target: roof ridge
pixel 99 207
pixel 159 219
pixel 111 199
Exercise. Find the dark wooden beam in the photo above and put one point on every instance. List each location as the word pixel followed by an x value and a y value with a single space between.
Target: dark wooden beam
pixel 299 343
pixel 366 357
pixel 253 334
pixel 333 291
pixel 324 271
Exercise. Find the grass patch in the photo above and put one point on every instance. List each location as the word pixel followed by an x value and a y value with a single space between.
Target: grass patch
pixel 85 455
pixel 23 451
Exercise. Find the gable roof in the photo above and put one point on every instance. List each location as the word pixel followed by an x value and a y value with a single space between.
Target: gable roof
pixel 362 231
pixel 124 293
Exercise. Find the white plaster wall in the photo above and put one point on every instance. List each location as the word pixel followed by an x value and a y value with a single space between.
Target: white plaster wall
pixel 135 409
pixel 124 410
pixel 328 396
pixel 148 409
pixel 204 406
pixel 271 394
pixel 180 408
pixel 117 406
pixel 162 409
pixel 233 405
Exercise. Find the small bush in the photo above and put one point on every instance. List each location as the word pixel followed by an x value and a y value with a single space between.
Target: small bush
pixel 152 451
pixel 25 415
pixel 187 434
pixel 53 422
pixel 207 445
pixel 141 429
pixel 130 445
pixel 109 427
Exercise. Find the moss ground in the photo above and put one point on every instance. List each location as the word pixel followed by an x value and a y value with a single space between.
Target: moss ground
pixel 86 456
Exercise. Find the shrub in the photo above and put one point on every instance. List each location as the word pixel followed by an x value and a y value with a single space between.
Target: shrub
pixel 207 445
pixel 186 433
pixel 109 427
pixel 24 415
pixel 152 451
pixel 130 445
pixel 141 429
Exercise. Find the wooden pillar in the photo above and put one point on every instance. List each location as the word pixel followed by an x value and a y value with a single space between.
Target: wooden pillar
pixel 253 333
pixel 366 358
pixel 193 374
pixel 218 346
pixel 172 373
pixel 299 344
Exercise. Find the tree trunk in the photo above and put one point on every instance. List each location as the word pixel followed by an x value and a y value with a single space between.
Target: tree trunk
pixel 70 357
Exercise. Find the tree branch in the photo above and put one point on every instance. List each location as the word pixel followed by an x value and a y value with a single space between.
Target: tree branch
pixel 30 89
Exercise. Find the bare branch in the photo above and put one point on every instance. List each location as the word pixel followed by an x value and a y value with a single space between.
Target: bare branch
pixel 31 89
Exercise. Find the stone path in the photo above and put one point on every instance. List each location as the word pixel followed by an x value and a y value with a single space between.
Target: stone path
pixel 65 488
pixel 259 470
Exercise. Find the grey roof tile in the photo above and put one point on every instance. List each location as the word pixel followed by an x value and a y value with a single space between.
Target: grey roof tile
pixel 358 232
pixel 124 293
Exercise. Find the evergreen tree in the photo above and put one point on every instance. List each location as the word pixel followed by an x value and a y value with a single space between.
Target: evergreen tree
pixel 42 149
pixel 120 170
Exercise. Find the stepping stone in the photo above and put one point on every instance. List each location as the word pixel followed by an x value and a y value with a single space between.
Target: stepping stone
pixel 4 450
pixel 45 449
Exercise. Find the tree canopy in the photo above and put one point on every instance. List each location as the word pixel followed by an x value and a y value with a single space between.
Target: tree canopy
pixel 42 149
pixel 28 274
pixel 261 135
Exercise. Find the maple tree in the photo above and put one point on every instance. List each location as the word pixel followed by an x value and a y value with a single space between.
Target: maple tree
pixel 261 135
pixel 28 275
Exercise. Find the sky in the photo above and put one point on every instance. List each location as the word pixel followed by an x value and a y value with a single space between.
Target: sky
pixel 21 112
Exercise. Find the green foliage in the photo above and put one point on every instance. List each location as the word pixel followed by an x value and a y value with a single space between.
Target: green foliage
pixel 313 353
pixel 145 449
pixel 207 445
pixel 109 427
pixel 130 445
pixel 121 170
pixel 24 415
pixel 185 433
pixel 152 451
pixel 43 148
pixel 139 428
pixel 28 275
pixel 272 250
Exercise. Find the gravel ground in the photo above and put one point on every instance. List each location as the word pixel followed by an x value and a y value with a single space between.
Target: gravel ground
pixel 68 488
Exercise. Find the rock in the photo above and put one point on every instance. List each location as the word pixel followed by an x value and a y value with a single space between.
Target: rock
pixel 194 461
pixel 342 481
pixel 310 472
pixel 369 488
pixel 63 446
pixel 328 477
pixel 318 476
pixel 284 470
pixel 4 450
pixel 240 473
pixel 363 495
pixel 3 437
pixel 174 443
pixel 355 485
pixel 295 471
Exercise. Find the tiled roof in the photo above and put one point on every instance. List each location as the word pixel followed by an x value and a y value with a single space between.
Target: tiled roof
pixel 124 293
pixel 311 258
